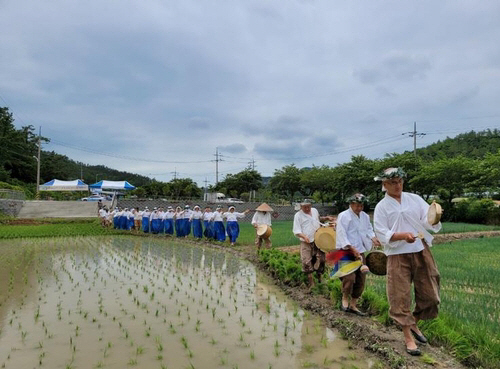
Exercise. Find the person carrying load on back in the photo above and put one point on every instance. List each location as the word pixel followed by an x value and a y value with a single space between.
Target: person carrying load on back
pixel 354 234
pixel 305 224
pixel 261 221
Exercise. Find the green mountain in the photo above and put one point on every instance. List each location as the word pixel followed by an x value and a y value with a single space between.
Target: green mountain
pixel 474 145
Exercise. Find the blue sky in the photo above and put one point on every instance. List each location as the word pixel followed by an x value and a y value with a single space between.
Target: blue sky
pixel 304 82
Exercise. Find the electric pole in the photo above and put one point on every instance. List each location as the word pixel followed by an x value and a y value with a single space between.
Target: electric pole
pixel 414 134
pixel 174 173
pixel 217 159
pixel 38 162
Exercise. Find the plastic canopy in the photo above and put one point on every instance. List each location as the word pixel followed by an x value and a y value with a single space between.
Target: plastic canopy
pixel 112 185
pixel 58 185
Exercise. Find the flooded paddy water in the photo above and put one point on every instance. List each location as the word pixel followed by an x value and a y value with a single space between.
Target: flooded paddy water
pixel 120 302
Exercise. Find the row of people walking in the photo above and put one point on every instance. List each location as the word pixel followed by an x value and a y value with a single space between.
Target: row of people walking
pixel 179 221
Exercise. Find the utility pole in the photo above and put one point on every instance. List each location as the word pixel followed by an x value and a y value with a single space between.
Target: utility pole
pixel 414 134
pixel 251 163
pixel 206 189
pixel 38 162
pixel 174 173
pixel 81 171
pixel 217 159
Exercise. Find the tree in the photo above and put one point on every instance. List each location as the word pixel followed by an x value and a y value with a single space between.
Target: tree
pixel 448 177
pixel 317 181
pixel 181 188
pixel 286 181
pixel 243 182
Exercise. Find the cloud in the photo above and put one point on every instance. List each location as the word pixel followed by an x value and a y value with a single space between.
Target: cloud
pixel 236 148
pixel 394 67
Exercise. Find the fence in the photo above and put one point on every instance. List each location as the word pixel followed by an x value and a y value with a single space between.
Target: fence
pixel 281 212
pixel 11 194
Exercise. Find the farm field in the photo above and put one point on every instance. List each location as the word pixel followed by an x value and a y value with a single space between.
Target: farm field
pixel 118 302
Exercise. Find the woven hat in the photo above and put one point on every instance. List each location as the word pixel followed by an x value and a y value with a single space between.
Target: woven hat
pixel 264 207
pixel 391 173
pixel 358 198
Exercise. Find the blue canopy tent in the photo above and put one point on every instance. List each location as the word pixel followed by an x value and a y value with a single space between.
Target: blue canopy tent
pixel 111 185
pixel 58 185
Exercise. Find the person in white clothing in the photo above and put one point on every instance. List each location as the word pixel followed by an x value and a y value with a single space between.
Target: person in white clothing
pixel 305 224
pixel 103 214
pixel 219 230
pixel 355 235
pixel 232 226
pixel 262 216
pixel 402 226
pixel 207 223
pixel 196 217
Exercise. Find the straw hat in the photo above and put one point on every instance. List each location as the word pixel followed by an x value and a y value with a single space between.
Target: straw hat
pixel 264 207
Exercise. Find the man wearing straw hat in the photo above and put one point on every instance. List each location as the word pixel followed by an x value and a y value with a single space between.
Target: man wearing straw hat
pixel 355 234
pixel 262 216
pixel 305 224
pixel 401 226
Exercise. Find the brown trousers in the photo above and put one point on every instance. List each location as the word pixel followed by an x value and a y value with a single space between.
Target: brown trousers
pixel 354 284
pixel 313 259
pixel 260 240
pixel 419 268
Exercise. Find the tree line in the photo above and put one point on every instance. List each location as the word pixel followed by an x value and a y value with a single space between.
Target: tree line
pixel 467 165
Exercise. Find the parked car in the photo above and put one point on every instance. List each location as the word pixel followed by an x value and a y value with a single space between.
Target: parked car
pixel 96 197
pixel 234 200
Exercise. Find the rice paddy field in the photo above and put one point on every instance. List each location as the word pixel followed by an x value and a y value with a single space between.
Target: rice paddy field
pixel 119 302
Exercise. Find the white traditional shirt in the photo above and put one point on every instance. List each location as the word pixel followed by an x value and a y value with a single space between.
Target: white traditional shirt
pixel 306 224
pixel 154 215
pixel 217 217
pixel 178 214
pixel 196 215
pixel 137 214
pixel 354 231
pixel 208 215
pixel 408 216
pixel 116 213
pixel 233 217
pixel 262 217
pixel 187 214
pixel 103 213
pixel 168 215
pixel 146 214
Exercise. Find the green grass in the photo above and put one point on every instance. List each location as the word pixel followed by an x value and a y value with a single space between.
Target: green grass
pixel 282 234
pixel 56 228
pixel 466 227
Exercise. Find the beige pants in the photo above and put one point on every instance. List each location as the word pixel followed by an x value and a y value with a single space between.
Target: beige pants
pixel 313 259
pixel 354 284
pixel 420 269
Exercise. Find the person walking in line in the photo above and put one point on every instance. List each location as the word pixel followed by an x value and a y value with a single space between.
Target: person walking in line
pixel 196 217
pixel 232 226
pixel 262 216
pixel 354 233
pixel 401 224
pixel 219 230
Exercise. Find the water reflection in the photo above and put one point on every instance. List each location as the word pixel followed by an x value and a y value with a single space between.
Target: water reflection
pixel 128 301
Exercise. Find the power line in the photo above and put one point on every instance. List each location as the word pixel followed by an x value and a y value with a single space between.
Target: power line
pixel 60 143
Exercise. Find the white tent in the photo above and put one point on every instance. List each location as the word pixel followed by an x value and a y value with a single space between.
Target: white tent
pixel 112 185
pixel 58 185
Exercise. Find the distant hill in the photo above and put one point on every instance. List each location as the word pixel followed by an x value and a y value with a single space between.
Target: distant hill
pixel 61 167
pixel 474 145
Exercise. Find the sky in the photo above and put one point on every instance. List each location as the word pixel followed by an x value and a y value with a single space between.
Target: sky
pixel 156 87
